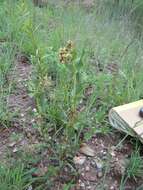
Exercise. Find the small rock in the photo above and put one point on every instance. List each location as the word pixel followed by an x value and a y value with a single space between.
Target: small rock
pixel 91 175
pixel 79 160
pixel 49 137
pixel 112 151
pixel 34 110
pixel 66 169
pixel 82 174
pixel 100 174
pixel 15 150
pixel 116 182
pixel 103 152
pixel 33 120
pixel 12 144
pixel 79 181
pixel 22 115
pixel 112 188
pixel 85 149
pixel 82 185
pixel 30 187
pixel 87 168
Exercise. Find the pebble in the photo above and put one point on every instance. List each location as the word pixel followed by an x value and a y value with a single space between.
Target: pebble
pixel 30 187
pixel 100 174
pixel 92 118
pixel 91 176
pixel 22 115
pixel 33 120
pixel 104 153
pixel 12 144
pixel 66 169
pixel 49 137
pixel 87 168
pixel 15 150
pixel 88 187
pixel 112 153
pixel 116 182
pixel 82 174
pixel 35 110
pixel 79 160
pixel 86 150
pixel 82 185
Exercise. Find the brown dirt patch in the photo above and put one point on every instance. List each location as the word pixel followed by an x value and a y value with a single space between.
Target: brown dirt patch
pixel 21 105
pixel 105 169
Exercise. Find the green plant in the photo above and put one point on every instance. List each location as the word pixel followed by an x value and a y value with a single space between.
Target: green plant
pixel 134 168
pixel 14 178
pixel 59 87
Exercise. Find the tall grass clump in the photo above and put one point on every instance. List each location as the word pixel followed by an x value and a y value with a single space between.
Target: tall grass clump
pixel 14 178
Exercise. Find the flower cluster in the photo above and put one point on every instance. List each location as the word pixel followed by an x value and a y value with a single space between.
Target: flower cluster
pixel 65 53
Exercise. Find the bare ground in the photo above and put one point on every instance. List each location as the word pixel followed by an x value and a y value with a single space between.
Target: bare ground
pixel 21 105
